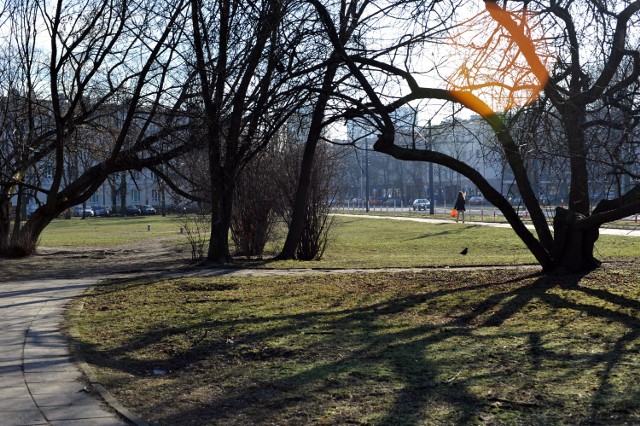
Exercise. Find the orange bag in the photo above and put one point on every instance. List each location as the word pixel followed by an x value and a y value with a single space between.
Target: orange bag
pixel 454 212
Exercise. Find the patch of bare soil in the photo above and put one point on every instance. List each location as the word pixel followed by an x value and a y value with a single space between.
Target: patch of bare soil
pixel 74 262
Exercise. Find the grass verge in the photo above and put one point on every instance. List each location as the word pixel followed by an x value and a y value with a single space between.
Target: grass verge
pixel 356 242
pixel 436 347
pixel 107 232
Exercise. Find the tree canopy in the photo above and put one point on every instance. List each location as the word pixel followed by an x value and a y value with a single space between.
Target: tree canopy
pixel 137 84
pixel 575 64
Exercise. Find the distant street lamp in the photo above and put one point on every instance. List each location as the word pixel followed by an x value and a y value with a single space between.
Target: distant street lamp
pixel 366 160
pixel 433 202
pixel 429 145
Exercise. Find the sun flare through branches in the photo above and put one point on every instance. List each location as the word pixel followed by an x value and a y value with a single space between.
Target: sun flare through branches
pixel 505 58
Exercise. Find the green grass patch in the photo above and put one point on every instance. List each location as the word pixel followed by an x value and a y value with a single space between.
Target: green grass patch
pixel 612 247
pixel 107 232
pixel 374 243
pixel 386 242
pixel 404 348
pixel 486 214
pixel 354 242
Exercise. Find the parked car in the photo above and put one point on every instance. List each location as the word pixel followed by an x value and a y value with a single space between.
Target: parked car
pixel 102 211
pixel 477 200
pixel 516 201
pixel 421 204
pixel 77 211
pixel 185 207
pixel 131 210
pixel 147 209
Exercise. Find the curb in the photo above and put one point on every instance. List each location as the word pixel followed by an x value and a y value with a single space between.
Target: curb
pixel 94 383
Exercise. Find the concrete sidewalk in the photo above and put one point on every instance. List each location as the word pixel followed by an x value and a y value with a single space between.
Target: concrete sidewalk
pixel 603 231
pixel 40 384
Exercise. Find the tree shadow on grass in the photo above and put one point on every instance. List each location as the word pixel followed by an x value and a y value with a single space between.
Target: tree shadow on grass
pixel 413 359
pixel 447 232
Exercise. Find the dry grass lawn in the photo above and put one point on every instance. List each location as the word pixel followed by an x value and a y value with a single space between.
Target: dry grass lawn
pixel 436 347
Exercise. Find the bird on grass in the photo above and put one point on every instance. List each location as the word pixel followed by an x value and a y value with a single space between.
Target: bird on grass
pixel 465 251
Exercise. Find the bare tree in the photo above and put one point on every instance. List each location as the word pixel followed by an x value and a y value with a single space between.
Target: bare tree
pixel 322 191
pixel 589 71
pixel 105 70
pixel 250 65
pixel 355 27
pixel 256 203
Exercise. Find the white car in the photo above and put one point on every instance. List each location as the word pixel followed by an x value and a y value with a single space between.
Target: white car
pixel 77 211
pixel 421 204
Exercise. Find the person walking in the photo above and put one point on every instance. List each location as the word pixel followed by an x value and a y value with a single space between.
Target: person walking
pixel 459 206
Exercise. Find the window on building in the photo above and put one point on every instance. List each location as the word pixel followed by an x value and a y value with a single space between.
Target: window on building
pixel 135 195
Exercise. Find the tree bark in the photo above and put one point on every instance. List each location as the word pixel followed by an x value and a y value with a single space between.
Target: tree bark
pixel 5 224
pixel 219 243
pixel 573 245
pixel 221 209
pixel 25 240
pixel 573 118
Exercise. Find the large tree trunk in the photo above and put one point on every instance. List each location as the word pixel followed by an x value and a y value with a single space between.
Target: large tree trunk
pixel 221 209
pixel 5 225
pixel 315 131
pixel 573 246
pixel 219 242
pixel 24 242
pixel 573 118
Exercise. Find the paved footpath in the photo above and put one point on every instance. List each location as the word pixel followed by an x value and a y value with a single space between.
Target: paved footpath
pixel 39 382
pixel 634 232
